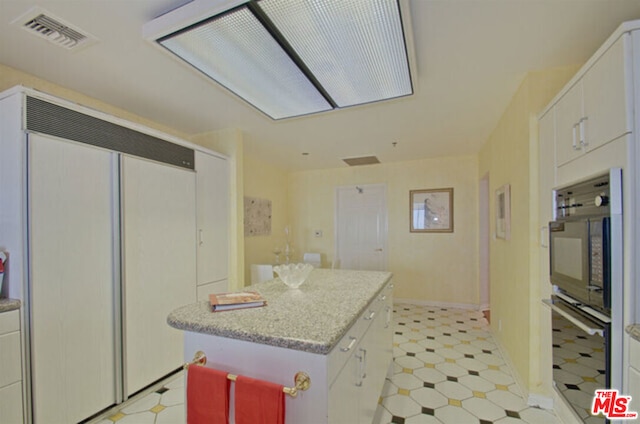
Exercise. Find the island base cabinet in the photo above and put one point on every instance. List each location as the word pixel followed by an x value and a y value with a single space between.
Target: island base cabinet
pixel 354 394
pixel 269 363
pixel 346 383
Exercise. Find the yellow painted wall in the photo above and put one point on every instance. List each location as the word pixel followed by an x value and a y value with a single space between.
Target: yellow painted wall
pixel 10 77
pixel 427 267
pixel 265 181
pixel 510 157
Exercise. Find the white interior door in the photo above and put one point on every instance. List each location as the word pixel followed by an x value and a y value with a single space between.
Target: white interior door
pixel 159 233
pixel 361 227
pixel 72 300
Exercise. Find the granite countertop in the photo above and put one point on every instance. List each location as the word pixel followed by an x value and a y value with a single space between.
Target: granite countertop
pixel 7 305
pixel 311 318
pixel 634 331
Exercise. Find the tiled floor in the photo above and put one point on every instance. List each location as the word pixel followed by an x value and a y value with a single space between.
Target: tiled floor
pixel 447 369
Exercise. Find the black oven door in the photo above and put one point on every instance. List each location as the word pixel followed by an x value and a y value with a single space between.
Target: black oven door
pixel 569 257
pixel 581 356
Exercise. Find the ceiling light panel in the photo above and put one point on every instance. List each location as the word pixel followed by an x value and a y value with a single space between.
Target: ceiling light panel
pixel 355 49
pixel 235 50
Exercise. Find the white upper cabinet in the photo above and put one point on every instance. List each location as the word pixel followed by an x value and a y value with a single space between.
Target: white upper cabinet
pixel 569 113
pixel 597 108
pixel 212 187
pixel 607 103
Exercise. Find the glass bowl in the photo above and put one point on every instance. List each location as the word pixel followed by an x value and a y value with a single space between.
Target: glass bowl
pixel 293 275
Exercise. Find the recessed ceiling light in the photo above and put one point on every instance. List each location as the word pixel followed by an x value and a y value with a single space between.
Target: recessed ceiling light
pixel 295 57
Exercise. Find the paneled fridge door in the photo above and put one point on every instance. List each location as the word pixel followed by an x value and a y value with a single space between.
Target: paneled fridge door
pixel 159 265
pixel 72 279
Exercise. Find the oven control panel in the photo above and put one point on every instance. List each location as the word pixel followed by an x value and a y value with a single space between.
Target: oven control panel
pixel 589 198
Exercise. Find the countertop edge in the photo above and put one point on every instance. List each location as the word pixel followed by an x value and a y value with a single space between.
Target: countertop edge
pixel 633 330
pixel 189 318
pixel 7 305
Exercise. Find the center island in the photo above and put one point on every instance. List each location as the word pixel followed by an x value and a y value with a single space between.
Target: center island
pixel 336 327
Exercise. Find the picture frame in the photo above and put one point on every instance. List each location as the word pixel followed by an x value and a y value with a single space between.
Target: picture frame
pixel 503 212
pixel 431 210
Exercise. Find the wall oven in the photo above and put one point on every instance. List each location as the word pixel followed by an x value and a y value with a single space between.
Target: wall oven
pixel 585 244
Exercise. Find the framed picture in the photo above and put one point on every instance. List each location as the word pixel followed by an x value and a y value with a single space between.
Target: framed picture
pixel 503 212
pixel 431 211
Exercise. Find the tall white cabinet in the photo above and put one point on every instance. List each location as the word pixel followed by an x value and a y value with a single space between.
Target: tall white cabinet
pixel 212 186
pixel 110 226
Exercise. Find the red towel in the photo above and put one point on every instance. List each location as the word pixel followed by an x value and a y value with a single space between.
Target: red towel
pixel 207 396
pixel 258 402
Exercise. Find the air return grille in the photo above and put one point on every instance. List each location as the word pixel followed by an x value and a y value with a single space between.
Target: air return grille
pixel 48 118
pixel 364 160
pixel 54 31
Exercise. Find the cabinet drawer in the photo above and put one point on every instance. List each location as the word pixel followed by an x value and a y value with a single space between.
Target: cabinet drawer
pixel 10 363
pixel 11 404
pixel 341 353
pixel 347 345
pixel 9 322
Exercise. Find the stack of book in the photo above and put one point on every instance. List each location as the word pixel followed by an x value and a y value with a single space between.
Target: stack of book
pixel 238 300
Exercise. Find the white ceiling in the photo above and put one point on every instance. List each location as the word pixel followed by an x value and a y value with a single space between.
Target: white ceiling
pixel 471 57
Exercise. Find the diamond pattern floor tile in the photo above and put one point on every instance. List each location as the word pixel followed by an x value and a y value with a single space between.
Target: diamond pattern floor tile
pixel 447 370
pixel 463 377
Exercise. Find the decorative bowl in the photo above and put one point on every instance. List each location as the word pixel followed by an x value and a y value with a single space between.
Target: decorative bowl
pixel 293 275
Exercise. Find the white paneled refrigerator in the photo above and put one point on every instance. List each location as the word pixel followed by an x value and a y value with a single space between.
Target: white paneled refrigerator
pixel 104 246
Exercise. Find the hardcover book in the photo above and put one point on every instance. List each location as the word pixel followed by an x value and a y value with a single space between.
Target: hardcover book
pixel 237 300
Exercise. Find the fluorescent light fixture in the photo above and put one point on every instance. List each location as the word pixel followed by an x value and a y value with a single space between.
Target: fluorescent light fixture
pixel 296 57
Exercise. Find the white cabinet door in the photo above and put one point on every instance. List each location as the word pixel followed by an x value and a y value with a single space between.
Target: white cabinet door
pixel 607 103
pixel 11 404
pixel 212 184
pixel 73 325
pixel 344 393
pixel 569 112
pixel 159 232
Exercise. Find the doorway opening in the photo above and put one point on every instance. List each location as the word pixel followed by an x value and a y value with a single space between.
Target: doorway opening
pixel 484 252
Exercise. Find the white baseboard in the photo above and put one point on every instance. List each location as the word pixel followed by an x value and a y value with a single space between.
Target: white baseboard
pixel 541 401
pixel 438 304
pixel 533 399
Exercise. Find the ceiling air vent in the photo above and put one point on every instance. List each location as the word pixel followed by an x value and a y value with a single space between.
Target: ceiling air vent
pixel 53 29
pixel 365 160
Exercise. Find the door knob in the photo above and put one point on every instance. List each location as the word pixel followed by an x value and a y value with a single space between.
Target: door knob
pixel 378 250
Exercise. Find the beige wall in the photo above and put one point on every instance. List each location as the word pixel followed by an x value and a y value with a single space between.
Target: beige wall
pixel 265 181
pixel 427 267
pixel 510 157
pixel 10 77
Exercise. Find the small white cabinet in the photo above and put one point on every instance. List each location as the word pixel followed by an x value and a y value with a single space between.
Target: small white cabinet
pixel 11 411
pixel 595 110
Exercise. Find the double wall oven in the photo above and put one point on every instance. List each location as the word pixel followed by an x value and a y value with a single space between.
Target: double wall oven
pixel 585 249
